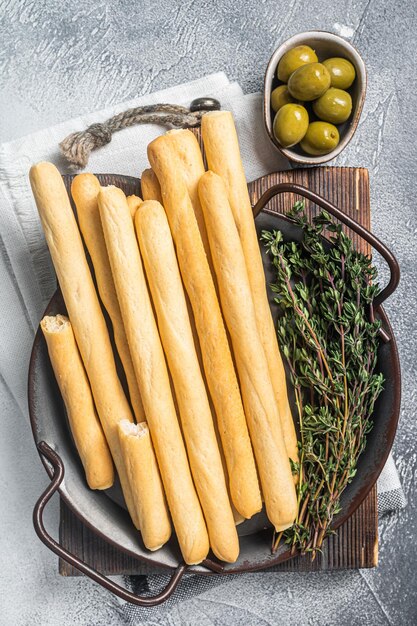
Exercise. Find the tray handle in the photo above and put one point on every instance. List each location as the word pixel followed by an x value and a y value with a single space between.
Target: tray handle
pixel 104 581
pixel 345 219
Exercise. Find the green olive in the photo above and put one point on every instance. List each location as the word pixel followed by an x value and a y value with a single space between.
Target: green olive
pixel 342 72
pixel 293 59
pixel 279 97
pixel 309 82
pixel 290 124
pixel 320 138
pixel 334 106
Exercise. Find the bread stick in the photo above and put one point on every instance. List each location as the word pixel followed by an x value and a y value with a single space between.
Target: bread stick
pixel 75 390
pixel 223 157
pixel 151 190
pixel 84 190
pixel 152 374
pixel 255 382
pixel 218 364
pixel 191 166
pixel 141 467
pixel 133 202
pixel 150 187
pixel 164 279
pixel 90 330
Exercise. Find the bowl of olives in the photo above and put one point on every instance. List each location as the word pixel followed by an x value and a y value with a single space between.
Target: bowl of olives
pixel 314 91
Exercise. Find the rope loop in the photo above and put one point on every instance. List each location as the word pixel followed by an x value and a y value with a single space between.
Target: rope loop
pixel 77 147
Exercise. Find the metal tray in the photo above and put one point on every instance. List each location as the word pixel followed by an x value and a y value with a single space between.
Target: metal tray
pixel 104 512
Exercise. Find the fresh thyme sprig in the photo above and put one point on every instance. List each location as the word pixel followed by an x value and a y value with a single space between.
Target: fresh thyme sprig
pixel 329 339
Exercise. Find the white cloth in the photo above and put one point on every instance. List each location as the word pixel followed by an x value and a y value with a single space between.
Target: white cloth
pixel 26 275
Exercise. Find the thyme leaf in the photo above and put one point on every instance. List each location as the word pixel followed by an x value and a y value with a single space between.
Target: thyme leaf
pixel 329 340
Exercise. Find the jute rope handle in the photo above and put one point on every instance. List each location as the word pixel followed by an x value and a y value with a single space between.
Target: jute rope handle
pixel 77 147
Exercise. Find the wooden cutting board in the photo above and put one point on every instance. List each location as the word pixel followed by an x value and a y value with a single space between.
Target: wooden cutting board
pixel 355 545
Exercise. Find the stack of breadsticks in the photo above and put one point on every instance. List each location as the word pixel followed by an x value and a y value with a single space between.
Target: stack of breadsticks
pixel 206 433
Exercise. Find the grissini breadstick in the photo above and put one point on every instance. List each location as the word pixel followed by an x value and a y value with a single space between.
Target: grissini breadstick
pixel 152 374
pixel 218 364
pixel 141 467
pixel 150 187
pixel 90 330
pixel 84 190
pixel 151 190
pixel 164 279
pixel 76 393
pixel 223 157
pixel 133 203
pixel 191 166
pixel 255 382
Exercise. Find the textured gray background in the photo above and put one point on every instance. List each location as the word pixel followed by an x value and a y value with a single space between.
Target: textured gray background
pixel 59 59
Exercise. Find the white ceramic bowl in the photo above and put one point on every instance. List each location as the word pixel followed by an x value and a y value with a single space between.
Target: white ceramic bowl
pixel 326 45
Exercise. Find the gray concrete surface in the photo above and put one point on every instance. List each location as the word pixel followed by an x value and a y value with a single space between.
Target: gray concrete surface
pixel 59 59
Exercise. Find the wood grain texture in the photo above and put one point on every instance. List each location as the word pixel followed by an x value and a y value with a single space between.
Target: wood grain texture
pixel 355 545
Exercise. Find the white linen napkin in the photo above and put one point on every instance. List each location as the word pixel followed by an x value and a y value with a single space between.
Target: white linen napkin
pixel 26 274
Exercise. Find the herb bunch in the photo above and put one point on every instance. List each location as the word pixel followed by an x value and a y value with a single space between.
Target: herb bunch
pixel 329 339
